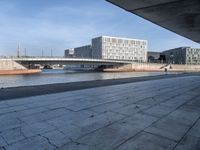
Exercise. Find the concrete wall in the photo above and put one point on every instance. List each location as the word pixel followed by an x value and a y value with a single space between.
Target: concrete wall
pixel 8 64
pixel 155 67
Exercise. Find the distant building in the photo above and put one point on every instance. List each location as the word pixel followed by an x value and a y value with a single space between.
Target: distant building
pixel 106 47
pixel 183 55
pixel 153 57
pixel 79 52
pixel 83 51
pixel 69 53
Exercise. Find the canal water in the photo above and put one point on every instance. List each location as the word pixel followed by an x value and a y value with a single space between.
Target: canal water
pixel 63 76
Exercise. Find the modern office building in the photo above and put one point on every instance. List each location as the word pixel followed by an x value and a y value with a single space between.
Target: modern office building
pixel 153 57
pixel 79 52
pixel 106 47
pixel 69 53
pixel 83 52
pixel 183 55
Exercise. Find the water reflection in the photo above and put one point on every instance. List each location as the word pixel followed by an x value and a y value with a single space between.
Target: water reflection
pixel 63 76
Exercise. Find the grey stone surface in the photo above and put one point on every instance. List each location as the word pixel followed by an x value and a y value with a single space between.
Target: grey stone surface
pixel 147 141
pixel 189 143
pixel 159 110
pixel 36 129
pixel 73 132
pixel 13 135
pixel 42 116
pixel 76 146
pixel 94 123
pixel 130 109
pixel 2 142
pixel 169 127
pixel 111 136
pixel 56 138
pixel 33 143
pixel 195 130
pixel 186 115
pixel 159 114
pixel 195 102
pixel 140 121
pixel 9 123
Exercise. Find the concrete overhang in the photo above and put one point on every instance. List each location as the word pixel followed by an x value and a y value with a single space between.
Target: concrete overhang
pixel 179 16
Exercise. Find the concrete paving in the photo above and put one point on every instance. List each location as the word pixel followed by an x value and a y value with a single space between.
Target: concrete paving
pixel 150 115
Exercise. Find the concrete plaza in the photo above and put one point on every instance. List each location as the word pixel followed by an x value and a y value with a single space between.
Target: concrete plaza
pixel 150 115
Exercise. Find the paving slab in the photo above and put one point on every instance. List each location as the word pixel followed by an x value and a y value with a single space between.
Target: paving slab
pixel 33 143
pixel 187 115
pixel 43 116
pixel 94 123
pixel 195 130
pixel 109 137
pixel 169 127
pixel 130 109
pixel 56 138
pixel 159 110
pixel 147 141
pixel 36 129
pixel 140 121
pixel 76 146
pixel 189 143
pixel 2 142
pixel 158 115
pixel 13 135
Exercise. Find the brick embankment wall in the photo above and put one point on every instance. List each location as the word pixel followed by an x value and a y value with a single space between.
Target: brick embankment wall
pixel 19 72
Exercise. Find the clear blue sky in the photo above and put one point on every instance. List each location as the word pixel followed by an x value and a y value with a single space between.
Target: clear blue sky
pixel 61 24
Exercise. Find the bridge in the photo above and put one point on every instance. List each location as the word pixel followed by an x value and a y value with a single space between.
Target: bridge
pixel 63 61
pixel 32 62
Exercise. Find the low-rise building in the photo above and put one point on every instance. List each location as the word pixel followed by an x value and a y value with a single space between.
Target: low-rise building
pixel 69 53
pixel 83 52
pixel 183 55
pixel 79 52
pixel 153 57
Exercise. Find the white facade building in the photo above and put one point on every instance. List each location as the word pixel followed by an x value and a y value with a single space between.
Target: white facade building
pixel 106 47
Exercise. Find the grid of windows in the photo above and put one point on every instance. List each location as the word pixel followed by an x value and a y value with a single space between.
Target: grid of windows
pixel 119 48
pixel 192 56
pixel 112 48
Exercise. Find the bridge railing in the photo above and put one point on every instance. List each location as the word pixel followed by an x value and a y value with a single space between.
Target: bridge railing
pixel 70 59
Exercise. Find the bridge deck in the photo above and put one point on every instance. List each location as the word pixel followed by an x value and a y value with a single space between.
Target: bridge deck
pixel 70 60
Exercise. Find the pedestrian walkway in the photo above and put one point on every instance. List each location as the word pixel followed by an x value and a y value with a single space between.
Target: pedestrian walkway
pixel 150 115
